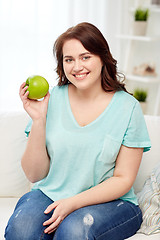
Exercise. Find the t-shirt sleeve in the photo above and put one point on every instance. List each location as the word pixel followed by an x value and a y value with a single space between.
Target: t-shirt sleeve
pixel 28 127
pixel 136 134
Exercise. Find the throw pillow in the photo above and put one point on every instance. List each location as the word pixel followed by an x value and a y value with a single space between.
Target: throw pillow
pixel 149 202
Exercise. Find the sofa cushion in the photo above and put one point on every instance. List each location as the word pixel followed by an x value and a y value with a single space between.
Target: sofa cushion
pixel 12 144
pixel 141 236
pixel 149 202
pixel 150 158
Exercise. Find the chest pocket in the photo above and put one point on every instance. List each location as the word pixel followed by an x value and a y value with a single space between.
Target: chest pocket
pixel 105 164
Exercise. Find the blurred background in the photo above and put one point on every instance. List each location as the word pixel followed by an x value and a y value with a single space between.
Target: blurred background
pixel 28 29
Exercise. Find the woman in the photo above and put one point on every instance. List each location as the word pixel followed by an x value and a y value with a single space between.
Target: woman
pixel 84 149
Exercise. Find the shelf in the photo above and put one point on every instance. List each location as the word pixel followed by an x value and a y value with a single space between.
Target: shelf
pixel 142 79
pixel 139 38
pixel 154 9
pixel 135 50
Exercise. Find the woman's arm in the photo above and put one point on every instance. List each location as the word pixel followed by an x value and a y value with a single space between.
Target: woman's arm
pixel 127 165
pixel 126 169
pixel 35 160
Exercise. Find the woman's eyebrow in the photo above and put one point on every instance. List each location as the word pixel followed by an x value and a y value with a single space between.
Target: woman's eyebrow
pixel 82 54
pixel 67 56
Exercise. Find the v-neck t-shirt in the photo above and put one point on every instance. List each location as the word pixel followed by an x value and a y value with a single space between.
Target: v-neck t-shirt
pixel 82 157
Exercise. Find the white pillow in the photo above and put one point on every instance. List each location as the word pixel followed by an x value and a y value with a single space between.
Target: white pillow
pixel 149 202
pixel 13 182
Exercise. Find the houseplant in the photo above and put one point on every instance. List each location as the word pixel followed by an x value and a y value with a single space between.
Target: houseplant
pixel 140 21
pixel 141 14
pixel 141 96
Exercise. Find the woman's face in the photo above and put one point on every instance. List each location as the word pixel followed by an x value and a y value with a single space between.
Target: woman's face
pixel 82 68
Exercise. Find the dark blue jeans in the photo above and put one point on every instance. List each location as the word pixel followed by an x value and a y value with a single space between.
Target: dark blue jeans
pixel 116 220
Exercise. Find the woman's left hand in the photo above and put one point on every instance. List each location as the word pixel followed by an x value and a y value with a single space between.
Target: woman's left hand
pixel 62 208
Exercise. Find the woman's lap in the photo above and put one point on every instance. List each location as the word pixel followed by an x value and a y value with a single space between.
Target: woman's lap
pixel 113 220
pixel 27 220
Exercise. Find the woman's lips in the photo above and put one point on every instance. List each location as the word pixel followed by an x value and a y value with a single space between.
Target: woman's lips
pixel 80 76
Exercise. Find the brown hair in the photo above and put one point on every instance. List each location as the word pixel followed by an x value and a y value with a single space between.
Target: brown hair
pixel 94 42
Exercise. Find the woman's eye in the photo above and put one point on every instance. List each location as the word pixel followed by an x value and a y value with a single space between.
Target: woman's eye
pixel 86 57
pixel 68 60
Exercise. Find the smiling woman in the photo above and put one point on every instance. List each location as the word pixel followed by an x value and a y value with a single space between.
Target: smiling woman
pixel 85 132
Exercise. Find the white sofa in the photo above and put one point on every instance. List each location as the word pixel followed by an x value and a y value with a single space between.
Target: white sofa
pixel 14 183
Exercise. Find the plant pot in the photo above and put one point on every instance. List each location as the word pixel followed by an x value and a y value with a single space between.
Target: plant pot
pixel 139 28
pixel 144 107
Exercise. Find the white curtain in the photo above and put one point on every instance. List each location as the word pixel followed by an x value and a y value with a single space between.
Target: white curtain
pixel 28 29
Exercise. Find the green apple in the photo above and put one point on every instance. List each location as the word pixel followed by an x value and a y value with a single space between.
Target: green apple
pixel 37 87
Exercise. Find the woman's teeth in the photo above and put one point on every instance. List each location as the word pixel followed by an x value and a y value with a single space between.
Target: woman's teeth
pixel 80 75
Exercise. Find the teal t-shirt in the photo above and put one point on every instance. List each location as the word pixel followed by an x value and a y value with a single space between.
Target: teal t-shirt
pixel 82 157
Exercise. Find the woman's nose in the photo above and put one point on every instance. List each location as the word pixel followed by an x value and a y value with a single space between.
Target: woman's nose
pixel 77 66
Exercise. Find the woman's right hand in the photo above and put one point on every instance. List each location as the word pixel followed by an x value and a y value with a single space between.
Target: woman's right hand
pixel 35 109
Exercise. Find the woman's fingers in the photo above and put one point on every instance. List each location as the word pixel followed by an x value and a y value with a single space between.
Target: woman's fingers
pixel 53 226
pixel 50 208
pixel 23 91
pixel 35 109
pixel 22 85
pixel 54 215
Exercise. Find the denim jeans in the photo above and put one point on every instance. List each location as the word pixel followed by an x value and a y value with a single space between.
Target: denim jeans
pixel 116 220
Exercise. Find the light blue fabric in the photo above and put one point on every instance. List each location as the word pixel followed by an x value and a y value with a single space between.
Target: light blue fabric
pixel 82 157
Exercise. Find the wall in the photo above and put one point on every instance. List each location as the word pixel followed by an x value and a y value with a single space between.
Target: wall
pixel 28 30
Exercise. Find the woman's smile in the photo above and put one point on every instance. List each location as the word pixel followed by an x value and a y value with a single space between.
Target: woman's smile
pixel 80 76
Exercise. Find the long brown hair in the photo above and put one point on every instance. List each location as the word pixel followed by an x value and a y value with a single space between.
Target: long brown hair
pixel 94 42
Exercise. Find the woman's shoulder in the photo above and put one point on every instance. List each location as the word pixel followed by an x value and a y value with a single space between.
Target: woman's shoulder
pixel 126 103
pixel 126 97
pixel 57 91
pixel 57 95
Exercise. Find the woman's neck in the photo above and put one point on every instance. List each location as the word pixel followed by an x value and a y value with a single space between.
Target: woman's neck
pixel 88 94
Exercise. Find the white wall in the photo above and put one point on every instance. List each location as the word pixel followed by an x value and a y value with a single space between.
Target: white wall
pixel 28 30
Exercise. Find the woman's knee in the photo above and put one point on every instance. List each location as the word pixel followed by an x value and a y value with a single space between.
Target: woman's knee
pixel 76 226
pixel 28 217
pixel 20 226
